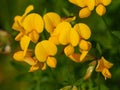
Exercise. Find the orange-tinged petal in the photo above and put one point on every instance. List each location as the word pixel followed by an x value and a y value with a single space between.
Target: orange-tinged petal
pixel 68 50
pixel 24 43
pixel 100 66
pixel 84 12
pixel 75 57
pixel 106 63
pixel 74 37
pixel 65 33
pixel 33 68
pixel 30 60
pixel 83 55
pixel 33 21
pixel 51 20
pixel 100 9
pixel 34 36
pixel 83 30
pixel 69 19
pixel 51 62
pixel 43 49
pixel 18 56
pixel 106 73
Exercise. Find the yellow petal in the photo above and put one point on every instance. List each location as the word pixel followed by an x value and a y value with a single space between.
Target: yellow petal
pixel 43 49
pixel 33 22
pixel 19 36
pixel 18 56
pixel 83 30
pixel 30 60
pixel 51 20
pixel 75 57
pixel 91 4
pixel 51 62
pixel 84 45
pixel 17 23
pixel 100 66
pixel 106 2
pixel 33 68
pixel 44 67
pixel 74 37
pixel 65 33
pixel 80 3
pixel 106 73
pixel 68 50
pixel 100 9
pixel 54 39
pixel 84 12
pixel 28 9
pixel 34 36
pixel 83 55
pixel 37 66
pixel 24 43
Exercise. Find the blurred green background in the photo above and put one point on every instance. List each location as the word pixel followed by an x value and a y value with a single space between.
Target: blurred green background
pixel 105 42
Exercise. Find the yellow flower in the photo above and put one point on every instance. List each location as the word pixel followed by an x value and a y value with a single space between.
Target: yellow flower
pixel 45 51
pixel 28 24
pixel 86 5
pixel 84 33
pixel 52 19
pixel 103 66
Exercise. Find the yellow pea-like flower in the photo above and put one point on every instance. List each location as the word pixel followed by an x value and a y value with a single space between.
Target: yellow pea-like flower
pixel 83 30
pixel 100 9
pixel 44 49
pixel 28 24
pixel 103 66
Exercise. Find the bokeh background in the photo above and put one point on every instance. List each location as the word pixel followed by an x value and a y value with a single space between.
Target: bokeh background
pixel 105 42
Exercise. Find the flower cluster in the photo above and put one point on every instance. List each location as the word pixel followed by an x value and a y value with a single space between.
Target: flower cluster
pixel 89 5
pixel 61 32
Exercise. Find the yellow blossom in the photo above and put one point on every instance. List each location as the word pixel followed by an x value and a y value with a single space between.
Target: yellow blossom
pixel 45 51
pixel 52 19
pixel 103 66
pixel 28 24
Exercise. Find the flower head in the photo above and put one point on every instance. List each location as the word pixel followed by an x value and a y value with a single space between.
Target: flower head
pixel 28 24
pixel 45 51
pixel 103 66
